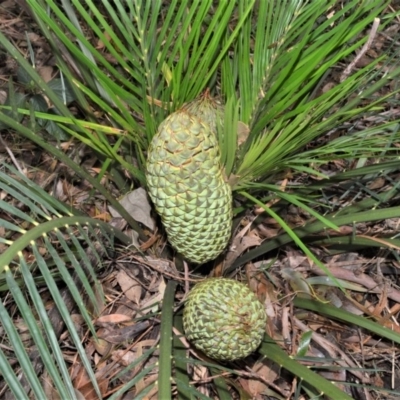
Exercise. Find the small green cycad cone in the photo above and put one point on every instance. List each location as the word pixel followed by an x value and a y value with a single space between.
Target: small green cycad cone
pixel 224 319
pixel 186 183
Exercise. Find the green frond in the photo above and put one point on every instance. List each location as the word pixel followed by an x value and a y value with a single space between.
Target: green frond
pixel 55 229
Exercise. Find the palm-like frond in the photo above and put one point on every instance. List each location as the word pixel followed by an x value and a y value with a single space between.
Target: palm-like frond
pixel 294 48
pixel 267 61
pixel 156 66
pixel 271 61
pixel 50 246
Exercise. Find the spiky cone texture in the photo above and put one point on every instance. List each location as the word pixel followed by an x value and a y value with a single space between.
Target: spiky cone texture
pixel 224 319
pixel 186 183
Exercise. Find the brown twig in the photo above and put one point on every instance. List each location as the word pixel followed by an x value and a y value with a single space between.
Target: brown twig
pixel 11 154
pixel 364 49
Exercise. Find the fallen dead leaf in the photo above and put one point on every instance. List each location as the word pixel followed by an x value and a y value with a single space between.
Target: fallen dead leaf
pixel 113 319
pixel 152 303
pixel 129 286
pixel 46 73
pixel 256 387
pixel 83 384
pixel 243 131
pixel 138 205
pixel 239 245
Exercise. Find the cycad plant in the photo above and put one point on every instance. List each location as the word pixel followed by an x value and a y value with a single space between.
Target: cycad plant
pixel 125 67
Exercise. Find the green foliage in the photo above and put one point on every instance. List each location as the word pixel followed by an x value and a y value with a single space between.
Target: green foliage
pixel 343 315
pixel 164 380
pixel 64 236
pixel 271 350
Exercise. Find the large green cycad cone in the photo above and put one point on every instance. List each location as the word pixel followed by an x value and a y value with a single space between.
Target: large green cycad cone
pixel 186 183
